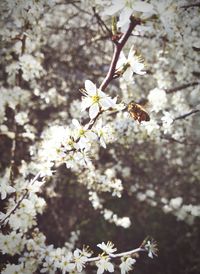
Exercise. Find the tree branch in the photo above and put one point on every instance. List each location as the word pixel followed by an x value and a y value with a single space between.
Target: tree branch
pixel 172 90
pixel 118 48
pixel 127 253
pixel 187 114
pixel 191 5
pixel 101 22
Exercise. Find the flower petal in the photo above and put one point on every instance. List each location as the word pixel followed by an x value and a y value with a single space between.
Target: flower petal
pixel 128 75
pixel 90 87
pixel 115 7
pixel 105 103
pixel 110 267
pixel 86 103
pixel 76 123
pixel 124 17
pixel 122 60
pixel 93 111
pixel 142 6
pixel 131 54
pixel 91 135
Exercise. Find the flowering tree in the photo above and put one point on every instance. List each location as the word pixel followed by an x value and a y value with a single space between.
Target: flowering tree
pixel 99 102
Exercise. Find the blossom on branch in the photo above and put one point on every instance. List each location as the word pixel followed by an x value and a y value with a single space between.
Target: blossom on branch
pixel 126 265
pixel 151 248
pixel 84 135
pixel 130 65
pixel 96 100
pixel 108 248
pixel 104 264
pixel 5 189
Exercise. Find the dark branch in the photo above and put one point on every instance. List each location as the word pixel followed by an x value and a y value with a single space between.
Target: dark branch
pixel 187 114
pixel 191 5
pixel 171 139
pixel 172 90
pixel 101 22
pixel 118 48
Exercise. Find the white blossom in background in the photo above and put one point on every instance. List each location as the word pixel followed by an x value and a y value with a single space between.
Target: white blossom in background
pixel 95 200
pixel 158 99
pixel 21 118
pixel 95 100
pixel 30 67
pixel 166 10
pixel 126 9
pixel 175 203
pixel 167 121
pixel 102 133
pixel 111 217
pixel 13 268
pixel 5 187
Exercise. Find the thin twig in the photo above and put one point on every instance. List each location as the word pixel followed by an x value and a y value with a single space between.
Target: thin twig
pixel 186 114
pixel 184 86
pixel 101 22
pixel 191 5
pixel 118 48
pixel 117 255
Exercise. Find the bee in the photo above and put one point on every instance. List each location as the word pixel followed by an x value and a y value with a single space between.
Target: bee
pixel 137 112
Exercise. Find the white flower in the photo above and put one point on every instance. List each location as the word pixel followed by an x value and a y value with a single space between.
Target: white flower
pixel 36 186
pixel 46 168
pixel 66 265
pixel 102 132
pixel 21 118
pixel 151 247
pixel 158 99
pixel 30 67
pixel 12 243
pixel 84 135
pixel 133 64
pixel 82 158
pixel 166 11
pixel 126 265
pixel 79 260
pixel 86 251
pixel 48 267
pixel 70 160
pixel 126 9
pixel 167 121
pixel 13 269
pixel 175 203
pixel 108 248
pixel 124 222
pixel 95 100
pixel 5 189
pixel 104 264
